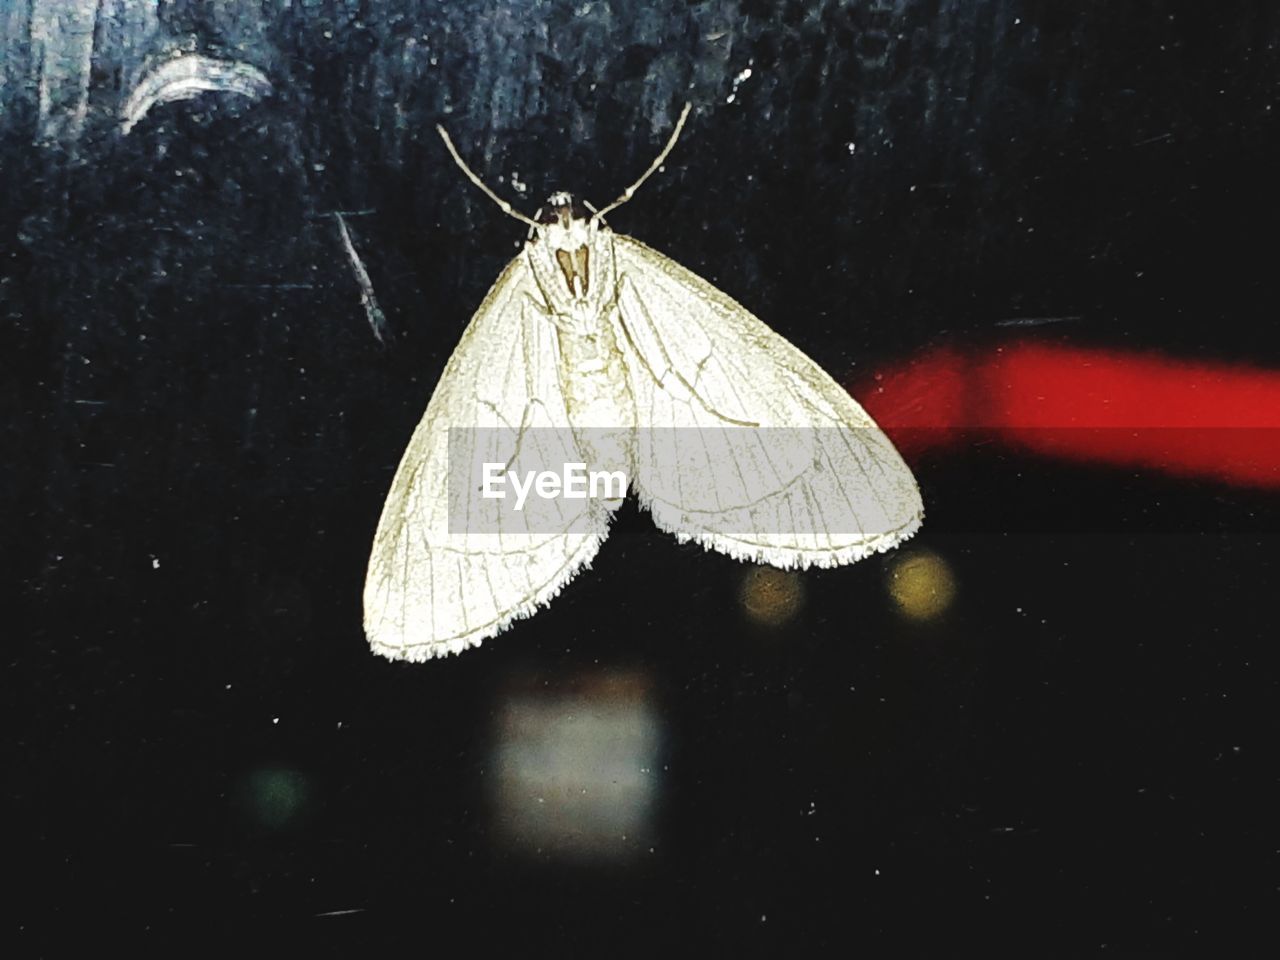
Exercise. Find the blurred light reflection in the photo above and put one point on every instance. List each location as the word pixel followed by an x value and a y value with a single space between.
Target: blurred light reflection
pixel 1191 418
pixel 577 767
pixel 922 585
pixel 770 596
pixel 275 796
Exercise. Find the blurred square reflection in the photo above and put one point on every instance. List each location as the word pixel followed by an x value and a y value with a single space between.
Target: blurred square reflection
pixel 576 765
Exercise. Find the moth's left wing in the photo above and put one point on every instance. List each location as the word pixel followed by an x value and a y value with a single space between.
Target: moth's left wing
pixel 450 567
pixel 745 444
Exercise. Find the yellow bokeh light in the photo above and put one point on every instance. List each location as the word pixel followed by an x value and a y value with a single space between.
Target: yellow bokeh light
pixel 771 596
pixel 922 585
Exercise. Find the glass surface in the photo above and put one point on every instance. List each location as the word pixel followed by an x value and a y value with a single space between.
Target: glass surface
pixel 1035 241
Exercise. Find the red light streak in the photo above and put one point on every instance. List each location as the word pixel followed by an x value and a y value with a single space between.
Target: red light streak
pixel 1181 417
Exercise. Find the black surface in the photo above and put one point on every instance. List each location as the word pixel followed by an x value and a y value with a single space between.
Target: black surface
pixel 201 428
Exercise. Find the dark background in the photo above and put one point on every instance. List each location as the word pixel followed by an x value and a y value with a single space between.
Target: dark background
pixel 200 427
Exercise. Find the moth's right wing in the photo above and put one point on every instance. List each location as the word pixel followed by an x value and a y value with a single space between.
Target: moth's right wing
pixel 746 445
pixel 450 568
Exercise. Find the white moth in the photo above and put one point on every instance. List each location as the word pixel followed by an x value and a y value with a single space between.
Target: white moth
pixel 598 335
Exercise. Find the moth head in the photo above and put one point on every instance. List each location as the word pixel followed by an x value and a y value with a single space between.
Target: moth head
pixel 566 226
pixel 562 208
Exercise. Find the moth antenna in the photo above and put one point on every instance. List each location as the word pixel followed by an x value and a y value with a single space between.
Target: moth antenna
pixel 628 193
pixel 595 214
pixel 502 204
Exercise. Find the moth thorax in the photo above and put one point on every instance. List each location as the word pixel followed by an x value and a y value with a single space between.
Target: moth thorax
pixel 576 266
pixel 566 228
